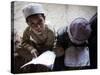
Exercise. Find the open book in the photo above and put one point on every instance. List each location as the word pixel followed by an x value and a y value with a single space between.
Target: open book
pixel 47 58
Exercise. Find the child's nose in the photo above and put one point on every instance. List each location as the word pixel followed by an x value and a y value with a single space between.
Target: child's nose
pixel 39 26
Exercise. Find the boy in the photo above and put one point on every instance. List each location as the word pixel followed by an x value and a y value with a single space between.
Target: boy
pixel 37 37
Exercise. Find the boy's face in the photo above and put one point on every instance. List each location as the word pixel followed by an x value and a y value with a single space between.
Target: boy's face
pixel 36 22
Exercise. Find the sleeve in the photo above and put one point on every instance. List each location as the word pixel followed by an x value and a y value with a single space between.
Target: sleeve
pixel 60 44
pixel 26 42
pixel 61 40
pixel 51 39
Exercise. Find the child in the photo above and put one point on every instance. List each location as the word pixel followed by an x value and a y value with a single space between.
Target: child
pixel 72 46
pixel 37 37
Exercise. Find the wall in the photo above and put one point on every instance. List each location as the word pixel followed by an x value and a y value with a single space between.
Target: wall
pixel 57 15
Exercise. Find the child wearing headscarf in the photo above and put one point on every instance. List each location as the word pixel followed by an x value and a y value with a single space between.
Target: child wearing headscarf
pixel 72 46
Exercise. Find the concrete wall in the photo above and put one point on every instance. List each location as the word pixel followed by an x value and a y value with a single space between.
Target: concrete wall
pixel 57 15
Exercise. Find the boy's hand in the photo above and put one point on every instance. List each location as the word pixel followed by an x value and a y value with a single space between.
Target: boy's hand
pixel 34 53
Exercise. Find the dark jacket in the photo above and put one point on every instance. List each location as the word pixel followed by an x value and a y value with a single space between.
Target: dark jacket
pixel 93 42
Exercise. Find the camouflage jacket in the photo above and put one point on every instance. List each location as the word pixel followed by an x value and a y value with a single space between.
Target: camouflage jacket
pixel 41 42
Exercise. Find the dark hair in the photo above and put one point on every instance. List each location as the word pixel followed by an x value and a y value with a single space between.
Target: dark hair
pixel 35 15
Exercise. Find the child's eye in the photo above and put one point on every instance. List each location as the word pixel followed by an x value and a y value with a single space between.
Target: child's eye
pixel 40 23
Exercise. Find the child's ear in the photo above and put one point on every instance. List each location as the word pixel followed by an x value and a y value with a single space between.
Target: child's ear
pixel 43 16
pixel 27 22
